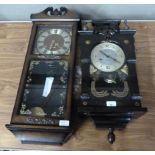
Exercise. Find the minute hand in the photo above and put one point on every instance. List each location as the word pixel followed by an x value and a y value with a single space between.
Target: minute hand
pixel 108 56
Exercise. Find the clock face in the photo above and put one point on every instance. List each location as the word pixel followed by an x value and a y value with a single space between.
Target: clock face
pixel 53 41
pixel 107 57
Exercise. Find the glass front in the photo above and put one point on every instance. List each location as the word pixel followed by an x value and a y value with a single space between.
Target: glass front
pixel 45 88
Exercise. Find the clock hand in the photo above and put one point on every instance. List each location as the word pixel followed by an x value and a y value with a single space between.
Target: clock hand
pixel 52 44
pixel 108 56
pixel 105 54
pixel 114 59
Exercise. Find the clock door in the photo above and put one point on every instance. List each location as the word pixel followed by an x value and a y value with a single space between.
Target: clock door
pixel 47 80
pixel 45 92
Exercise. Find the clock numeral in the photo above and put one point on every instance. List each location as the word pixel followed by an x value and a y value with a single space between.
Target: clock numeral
pixel 65 48
pixel 45 50
pixel 107 67
pixel 55 31
pixel 40 42
pixel 41 39
pixel 65 37
pixel 49 32
pixel 41 46
pixel 67 42
pixel 44 34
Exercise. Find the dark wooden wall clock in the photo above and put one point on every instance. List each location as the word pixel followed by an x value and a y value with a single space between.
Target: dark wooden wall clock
pixel 106 80
pixel 43 108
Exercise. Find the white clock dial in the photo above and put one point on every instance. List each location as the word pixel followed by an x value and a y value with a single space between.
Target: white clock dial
pixel 53 41
pixel 107 57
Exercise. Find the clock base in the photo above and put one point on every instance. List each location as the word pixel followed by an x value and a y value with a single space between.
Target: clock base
pixel 115 119
pixel 36 135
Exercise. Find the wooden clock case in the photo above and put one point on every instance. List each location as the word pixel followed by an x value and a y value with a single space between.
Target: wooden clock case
pixel 126 108
pixel 46 130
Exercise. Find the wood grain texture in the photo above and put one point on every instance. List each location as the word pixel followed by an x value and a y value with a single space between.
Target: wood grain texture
pixel 139 134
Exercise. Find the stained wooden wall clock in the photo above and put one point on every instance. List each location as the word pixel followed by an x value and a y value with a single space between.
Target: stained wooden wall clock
pixel 108 90
pixel 43 108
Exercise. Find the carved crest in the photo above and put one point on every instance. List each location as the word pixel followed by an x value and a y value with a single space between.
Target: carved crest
pixel 51 14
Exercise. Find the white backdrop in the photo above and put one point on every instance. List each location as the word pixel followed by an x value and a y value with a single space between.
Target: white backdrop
pixel 22 12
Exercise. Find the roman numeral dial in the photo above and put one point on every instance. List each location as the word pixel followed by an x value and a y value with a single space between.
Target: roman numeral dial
pixel 53 41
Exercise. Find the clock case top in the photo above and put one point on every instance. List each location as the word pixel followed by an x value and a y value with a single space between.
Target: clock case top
pixel 36 129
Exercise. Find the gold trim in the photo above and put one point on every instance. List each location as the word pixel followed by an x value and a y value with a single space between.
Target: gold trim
pixel 96 93
pixel 23 110
pixel 123 93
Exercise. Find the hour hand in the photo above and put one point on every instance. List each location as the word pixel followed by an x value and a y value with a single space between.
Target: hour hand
pixel 105 54
pixel 108 56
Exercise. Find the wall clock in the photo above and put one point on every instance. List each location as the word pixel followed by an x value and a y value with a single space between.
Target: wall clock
pixel 43 108
pixel 106 79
